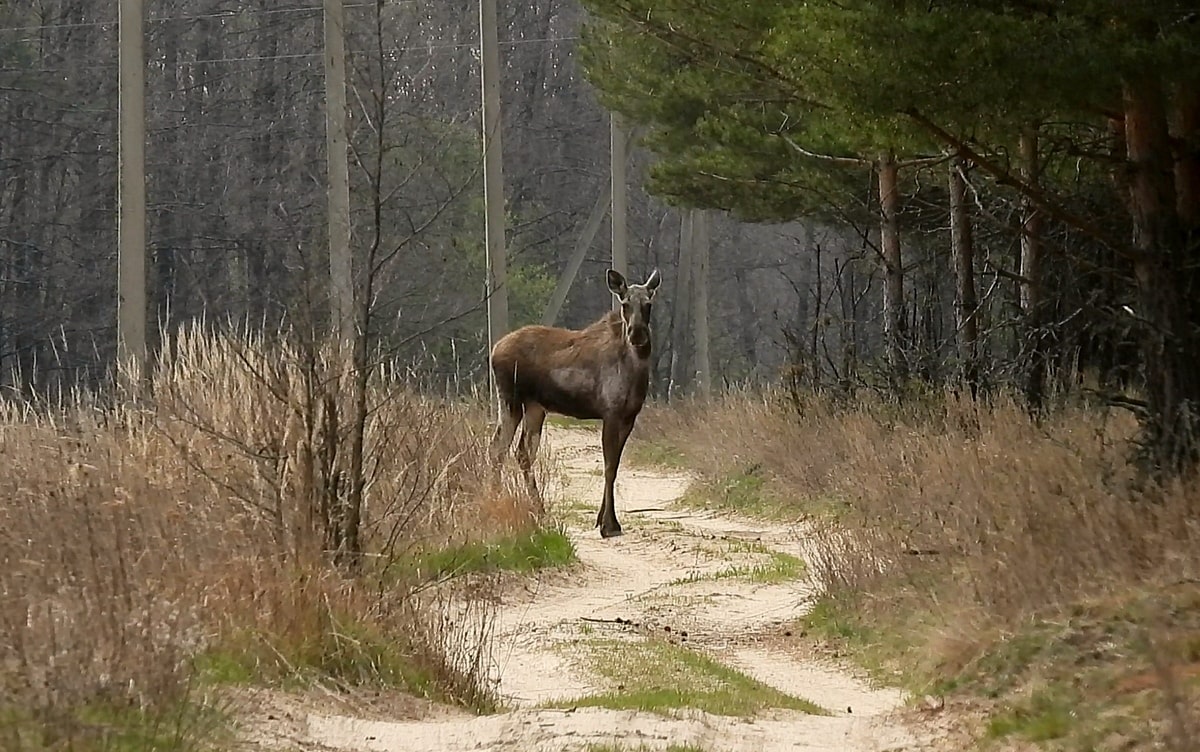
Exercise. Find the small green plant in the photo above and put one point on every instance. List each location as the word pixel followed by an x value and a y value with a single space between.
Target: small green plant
pixel 102 726
pixel 226 666
pixel 829 618
pixel 528 552
pixel 1047 714
pixel 779 567
pixel 659 677
pixel 745 491
pixel 655 453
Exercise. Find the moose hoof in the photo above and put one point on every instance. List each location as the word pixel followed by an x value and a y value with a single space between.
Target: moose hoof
pixel 610 531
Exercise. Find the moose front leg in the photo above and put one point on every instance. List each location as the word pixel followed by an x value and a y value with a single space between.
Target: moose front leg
pixel 615 434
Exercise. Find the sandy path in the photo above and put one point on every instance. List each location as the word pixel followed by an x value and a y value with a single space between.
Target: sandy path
pixel 656 579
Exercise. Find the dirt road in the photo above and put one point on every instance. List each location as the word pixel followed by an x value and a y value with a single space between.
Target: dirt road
pixel 726 588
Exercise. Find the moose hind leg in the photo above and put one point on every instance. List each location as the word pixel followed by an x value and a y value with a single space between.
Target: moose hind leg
pixel 527 447
pixel 615 434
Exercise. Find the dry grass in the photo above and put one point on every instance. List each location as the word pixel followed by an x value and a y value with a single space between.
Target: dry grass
pixel 951 530
pixel 146 553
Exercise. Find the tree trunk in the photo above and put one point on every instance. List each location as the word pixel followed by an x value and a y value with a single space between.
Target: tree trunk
pixel 965 303
pixel 1168 281
pixel 893 269
pixel 848 296
pixel 815 321
pixel 700 235
pixel 1036 339
pixel 1187 166
pixel 680 303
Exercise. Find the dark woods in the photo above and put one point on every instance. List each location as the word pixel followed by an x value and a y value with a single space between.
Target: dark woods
pixel 1036 232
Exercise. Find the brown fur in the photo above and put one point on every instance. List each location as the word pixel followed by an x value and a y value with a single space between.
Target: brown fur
pixel 592 373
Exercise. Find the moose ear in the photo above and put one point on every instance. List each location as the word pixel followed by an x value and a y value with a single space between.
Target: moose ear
pixel 653 282
pixel 617 284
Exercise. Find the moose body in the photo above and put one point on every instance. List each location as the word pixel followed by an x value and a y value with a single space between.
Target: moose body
pixel 601 372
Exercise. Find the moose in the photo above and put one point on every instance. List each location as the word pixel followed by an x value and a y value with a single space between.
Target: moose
pixel 601 372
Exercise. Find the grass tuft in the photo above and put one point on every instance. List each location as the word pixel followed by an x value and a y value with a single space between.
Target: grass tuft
pixel 542 548
pixel 1049 713
pixel 655 453
pixel 659 677
pixel 778 567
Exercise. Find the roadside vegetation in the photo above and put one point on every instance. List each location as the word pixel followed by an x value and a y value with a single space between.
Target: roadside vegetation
pixel 151 556
pixel 1021 569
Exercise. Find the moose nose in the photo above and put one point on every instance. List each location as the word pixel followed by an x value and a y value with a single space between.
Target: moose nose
pixel 639 335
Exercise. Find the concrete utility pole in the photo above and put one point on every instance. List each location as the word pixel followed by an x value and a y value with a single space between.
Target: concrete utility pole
pixel 700 236
pixel 341 265
pixel 131 220
pixel 582 244
pixel 618 141
pixel 493 175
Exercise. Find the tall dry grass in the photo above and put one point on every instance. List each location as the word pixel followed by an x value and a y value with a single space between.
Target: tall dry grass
pixel 145 551
pixel 1021 564
pixel 1002 512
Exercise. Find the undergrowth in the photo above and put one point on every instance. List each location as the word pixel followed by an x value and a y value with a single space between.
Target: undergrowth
pixel 151 554
pixel 966 549
pixel 530 551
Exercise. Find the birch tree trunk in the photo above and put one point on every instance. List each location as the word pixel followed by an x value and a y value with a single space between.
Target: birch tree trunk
pixel 893 269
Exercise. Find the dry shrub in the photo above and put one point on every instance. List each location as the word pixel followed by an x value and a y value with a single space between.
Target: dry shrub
pixel 972 504
pixel 99 608
pixel 139 545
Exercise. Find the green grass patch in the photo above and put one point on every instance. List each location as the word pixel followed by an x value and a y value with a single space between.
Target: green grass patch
pixel 1048 713
pixel 1093 676
pixel 528 552
pixel 745 492
pixel 779 567
pixel 227 665
pixel 751 491
pixel 655 453
pixel 831 618
pixel 885 649
pixel 659 677
pixel 115 726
